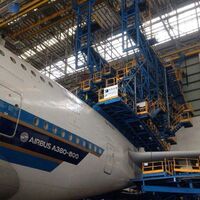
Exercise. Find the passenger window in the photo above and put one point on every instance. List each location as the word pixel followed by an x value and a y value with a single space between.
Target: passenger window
pixel 42 79
pixel 46 125
pixel 70 137
pixel 55 130
pixel 2 53
pixel 77 140
pixel 13 60
pixel 23 67
pixel 84 143
pixel 90 146
pixel 33 73
pixel 36 121
pixel 50 84
pixel 63 134
pixel 100 151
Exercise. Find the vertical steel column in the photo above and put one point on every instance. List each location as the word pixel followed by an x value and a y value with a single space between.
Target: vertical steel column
pixel 84 37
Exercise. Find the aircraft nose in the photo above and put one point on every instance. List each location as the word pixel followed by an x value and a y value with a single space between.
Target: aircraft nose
pixel 9 182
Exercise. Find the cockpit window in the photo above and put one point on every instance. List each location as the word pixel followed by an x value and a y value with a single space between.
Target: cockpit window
pixel 2 53
pixel 13 60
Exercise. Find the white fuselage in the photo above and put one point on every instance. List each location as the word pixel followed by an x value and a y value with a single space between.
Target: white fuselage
pixel 93 175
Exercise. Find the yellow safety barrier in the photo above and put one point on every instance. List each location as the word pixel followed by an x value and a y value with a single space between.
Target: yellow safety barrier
pixel 188 165
pixel 101 95
pixel 186 116
pixel 86 85
pixel 179 73
pixel 97 77
pixel 165 144
pixel 111 81
pixel 142 108
pixel 121 73
pixel 130 65
pixel 152 126
pixel 154 104
pixel 147 107
pixel 107 70
pixel 183 114
pixel 161 104
pixel 175 165
pixel 153 167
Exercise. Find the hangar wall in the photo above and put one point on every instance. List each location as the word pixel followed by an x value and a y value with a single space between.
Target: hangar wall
pixel 188 139
pixel 191 82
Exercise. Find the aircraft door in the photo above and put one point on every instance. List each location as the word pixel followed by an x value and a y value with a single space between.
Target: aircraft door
pixel 10 108
pixel 109 159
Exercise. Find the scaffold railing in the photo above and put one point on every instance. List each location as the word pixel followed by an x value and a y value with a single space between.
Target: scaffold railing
pixel 86 85
pixel 97 77
pixel 172 166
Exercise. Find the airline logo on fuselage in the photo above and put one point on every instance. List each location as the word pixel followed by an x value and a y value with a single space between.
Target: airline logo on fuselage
pixel 24 137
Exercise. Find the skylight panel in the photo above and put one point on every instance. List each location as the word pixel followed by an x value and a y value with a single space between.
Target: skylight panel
pixel 23 57
pixel 51 42
pixel 39 47
pixel 111 48
pixel 29 53
pixel 192 5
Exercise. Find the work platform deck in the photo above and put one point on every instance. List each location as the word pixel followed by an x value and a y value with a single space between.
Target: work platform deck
pixel 178 175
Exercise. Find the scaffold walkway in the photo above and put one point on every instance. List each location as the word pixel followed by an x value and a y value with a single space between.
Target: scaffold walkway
pixel 178 175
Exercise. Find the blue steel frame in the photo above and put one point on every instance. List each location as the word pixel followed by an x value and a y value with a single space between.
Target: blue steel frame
pixel 84 37
pixel 152 70
pixel 147 81
pixel 165 183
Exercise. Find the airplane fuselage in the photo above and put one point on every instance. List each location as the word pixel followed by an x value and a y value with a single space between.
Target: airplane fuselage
pixel 53 145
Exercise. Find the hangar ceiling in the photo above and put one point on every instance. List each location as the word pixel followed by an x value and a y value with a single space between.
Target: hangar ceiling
pixel 44 30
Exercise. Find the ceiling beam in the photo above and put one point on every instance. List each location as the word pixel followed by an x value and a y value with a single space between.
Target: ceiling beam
pixel 24 10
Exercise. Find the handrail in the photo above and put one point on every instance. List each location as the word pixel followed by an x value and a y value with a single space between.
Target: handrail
pixel 86 85
pixel 111 81
pixel 173 166
pixel 97 77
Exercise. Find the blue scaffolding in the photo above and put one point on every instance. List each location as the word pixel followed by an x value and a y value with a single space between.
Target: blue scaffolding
pixel 146 82
pixel 85 54
pixel 84 37
pixel 147 105
pixel 176 175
